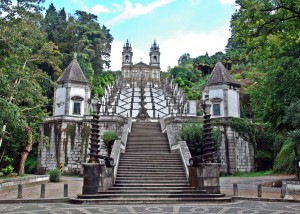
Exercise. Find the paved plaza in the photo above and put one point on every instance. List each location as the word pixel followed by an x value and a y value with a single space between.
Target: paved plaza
pixel 249 207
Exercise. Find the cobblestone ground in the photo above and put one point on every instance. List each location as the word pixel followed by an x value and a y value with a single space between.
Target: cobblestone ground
pixel 239 207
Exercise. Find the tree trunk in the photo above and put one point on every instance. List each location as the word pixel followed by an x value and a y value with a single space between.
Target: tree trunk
pixel 3 131
pixel 26 151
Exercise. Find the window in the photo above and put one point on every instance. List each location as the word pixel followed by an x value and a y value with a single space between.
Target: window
pixel 216 110
pixel 76 109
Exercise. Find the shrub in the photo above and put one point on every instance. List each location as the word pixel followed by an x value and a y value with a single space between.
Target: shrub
pixel 54 175
pixel 7 170
pixel 108 139
pixel 284 162
pixel 192 133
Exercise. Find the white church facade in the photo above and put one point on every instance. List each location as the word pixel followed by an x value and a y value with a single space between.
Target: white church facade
pixel 140 70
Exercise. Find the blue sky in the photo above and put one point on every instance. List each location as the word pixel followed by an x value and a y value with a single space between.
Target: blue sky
pixel 178 26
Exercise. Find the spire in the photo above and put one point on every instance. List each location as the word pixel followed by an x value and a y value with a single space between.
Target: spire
pixel 73 73
pixel 220 75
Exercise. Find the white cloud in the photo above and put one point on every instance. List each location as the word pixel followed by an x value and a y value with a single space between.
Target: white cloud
pixel 116 55
pixel 228 2
pixel 117 7
pixel 194 2
pixel 137 9
pixel 195 44
pixel 99 9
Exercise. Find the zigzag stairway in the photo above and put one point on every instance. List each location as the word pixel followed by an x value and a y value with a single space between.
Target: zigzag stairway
pixel 149 173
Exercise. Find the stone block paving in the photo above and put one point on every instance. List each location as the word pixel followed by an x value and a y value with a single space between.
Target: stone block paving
pixel 239 207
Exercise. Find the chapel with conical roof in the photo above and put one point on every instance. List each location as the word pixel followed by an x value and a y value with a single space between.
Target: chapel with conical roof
pixel 65 136
pixel 221 93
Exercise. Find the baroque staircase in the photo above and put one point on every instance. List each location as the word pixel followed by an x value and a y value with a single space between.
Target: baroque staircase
pixel 149 173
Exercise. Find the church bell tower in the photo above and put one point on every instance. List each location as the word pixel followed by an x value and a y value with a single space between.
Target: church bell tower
pixel 154 55
pixel 127 54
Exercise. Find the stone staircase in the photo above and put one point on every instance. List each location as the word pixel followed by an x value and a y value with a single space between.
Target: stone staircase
pixel 149 173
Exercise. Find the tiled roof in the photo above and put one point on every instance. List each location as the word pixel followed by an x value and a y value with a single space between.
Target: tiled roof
pixel 73 73
pixel 220 75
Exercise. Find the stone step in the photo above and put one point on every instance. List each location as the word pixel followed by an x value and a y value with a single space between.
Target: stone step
pixel 147 139
pixel 147 150
pixel 148 200
pixel 146 144
pixel 146 133
pixel 142 165
pixel 140 158
pixel 150 156
pixel 152 169
pixel 150 161
pixel 150 188
pixel 148 124
pixel 151 195
pixel 141 162
pixel 150 182
pixel 151 178
pixel 154 191
pixel 149 144
pixel 161 185
pixel 150 174
pixel 148 177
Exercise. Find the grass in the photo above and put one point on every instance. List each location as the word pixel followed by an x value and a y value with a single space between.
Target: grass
pixel 12 176
pixel 251 174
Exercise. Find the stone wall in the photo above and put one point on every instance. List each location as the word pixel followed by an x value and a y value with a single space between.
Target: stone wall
pixel 240 155
pixel 65 140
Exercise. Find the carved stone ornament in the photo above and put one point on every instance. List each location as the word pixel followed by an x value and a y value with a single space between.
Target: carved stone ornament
pixel 77 98
pixel 216 99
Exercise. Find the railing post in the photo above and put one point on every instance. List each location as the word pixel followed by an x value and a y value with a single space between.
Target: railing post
pixel 20 190
pixel 259 190
pixel 283 190
pixel 66 190
pixel 43 190
pixel 235 190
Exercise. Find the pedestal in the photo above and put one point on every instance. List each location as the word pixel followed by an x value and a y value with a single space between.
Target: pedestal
pixel 91 177
pixel 205 177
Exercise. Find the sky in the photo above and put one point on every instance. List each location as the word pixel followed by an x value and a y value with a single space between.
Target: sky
pixel 178 26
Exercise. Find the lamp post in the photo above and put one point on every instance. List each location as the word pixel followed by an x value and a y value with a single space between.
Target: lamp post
pixel 94 144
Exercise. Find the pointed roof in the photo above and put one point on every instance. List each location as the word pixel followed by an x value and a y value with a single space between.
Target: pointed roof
pixel 73 73
pixel 220 75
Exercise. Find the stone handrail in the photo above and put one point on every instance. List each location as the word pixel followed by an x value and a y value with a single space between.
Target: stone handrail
pixel 162 124
pixel 177 146
pixel 129 124
pixel 115 154
pixel 120 145
pixel 185 155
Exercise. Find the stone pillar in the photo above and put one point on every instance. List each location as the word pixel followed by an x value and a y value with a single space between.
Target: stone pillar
pixel 67 101
pixel 91 178
pixel 205 177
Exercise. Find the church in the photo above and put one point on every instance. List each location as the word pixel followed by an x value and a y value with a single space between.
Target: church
pixel 133 72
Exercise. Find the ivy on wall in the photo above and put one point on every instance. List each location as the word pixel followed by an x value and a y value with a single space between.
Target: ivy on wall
pixel 85 134
pixel 243 127
pixel 71 132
